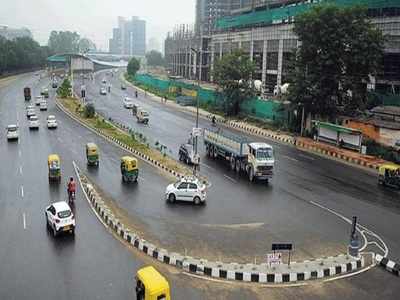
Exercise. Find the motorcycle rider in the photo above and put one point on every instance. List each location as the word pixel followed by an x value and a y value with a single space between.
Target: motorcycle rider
pixel 71 189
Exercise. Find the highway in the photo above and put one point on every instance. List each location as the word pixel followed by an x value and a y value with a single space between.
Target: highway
pixel 95 265
pixel 239 212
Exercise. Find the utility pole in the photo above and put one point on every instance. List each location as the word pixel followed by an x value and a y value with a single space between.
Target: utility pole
pixel 197 108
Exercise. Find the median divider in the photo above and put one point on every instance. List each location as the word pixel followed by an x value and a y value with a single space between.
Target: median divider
pixel 257 273
pixel 388 264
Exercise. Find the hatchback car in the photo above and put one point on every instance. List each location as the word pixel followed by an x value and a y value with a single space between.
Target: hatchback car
pixel 38 100
pixel 33 122
pixel 51 122
pixel 128 103
pixel 60 218
pixel 30 112
pixel 186 189
pixel 43 105
pixel 12 132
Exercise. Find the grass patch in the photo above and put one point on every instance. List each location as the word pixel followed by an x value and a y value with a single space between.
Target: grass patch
pixel 98 122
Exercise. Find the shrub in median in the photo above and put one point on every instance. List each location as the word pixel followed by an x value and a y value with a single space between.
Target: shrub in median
pixel 89 111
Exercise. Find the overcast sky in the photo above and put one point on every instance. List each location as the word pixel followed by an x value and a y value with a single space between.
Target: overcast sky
pixel 94 18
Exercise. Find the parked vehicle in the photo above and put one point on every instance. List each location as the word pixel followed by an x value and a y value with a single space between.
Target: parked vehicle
pixel 129 169
pixel 128 103
pixel 188 155
pixel 27 94
pixel 255 159
pixel 389 175
pixel 142 116
pixel 43 105
pixel 33 122
pixel 12 132
pixel 151 285
pixel 186 189
pixel 54 165
pixel 92 154
pixel 51 122
pixel 60 218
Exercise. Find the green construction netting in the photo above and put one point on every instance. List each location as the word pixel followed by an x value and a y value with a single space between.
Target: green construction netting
pixel 282 13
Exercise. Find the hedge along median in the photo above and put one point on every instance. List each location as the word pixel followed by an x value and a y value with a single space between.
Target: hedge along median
pixel 74 109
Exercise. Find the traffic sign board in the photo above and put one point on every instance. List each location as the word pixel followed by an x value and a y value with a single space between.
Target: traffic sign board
pixel 274 258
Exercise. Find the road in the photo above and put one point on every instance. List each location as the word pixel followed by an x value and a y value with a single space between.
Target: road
pixel 239 212
pixel 95 265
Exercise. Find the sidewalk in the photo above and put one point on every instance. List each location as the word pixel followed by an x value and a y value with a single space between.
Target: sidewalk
pixel 301 143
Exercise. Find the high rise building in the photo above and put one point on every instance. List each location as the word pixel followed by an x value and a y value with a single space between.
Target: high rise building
pixel 207 13
pixel 129 38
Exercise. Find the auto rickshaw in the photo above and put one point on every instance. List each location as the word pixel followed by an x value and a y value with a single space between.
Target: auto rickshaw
pixel 389 175
pixel 92 154
pixel 129 169
pixel 151 285
pixel 54 164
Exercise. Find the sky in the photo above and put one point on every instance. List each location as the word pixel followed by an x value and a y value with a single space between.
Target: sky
pixel 95 19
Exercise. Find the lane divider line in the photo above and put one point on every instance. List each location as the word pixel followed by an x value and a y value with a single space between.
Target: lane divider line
pixel 22 191
pixel 24 220
pixel 230 178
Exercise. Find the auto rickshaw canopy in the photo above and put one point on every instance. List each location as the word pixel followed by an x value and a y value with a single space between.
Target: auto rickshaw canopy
pixel 155 284
pixel 53 161
pixel 129 163
pixel 389 167
pixel 91 149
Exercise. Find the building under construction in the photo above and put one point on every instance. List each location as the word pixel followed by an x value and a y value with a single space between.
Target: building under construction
pixel 264 30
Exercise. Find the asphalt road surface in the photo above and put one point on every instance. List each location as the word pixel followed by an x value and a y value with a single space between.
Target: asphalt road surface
pixel 241 213
pixel 94 265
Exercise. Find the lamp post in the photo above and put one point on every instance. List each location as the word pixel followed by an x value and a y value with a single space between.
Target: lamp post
pixel 197 107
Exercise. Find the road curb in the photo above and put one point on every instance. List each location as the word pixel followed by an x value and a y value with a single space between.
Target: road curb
pixel 388 264
pixel 261 273
pixel 125 147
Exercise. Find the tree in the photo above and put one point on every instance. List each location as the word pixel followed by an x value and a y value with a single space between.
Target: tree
pixel 155 58
pixel 64 42
pixel 133 66
pixel 233 73
pixel 85 45
pixel 64 91
pixel 339 49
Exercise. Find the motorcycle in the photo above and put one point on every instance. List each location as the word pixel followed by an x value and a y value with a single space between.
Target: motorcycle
pixel 71 198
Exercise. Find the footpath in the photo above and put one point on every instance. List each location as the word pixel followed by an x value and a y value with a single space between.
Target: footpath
pixel 305 144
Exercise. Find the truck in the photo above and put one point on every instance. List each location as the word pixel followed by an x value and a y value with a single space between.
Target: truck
pixel 27 94
pixel 256 160
pixel 142 116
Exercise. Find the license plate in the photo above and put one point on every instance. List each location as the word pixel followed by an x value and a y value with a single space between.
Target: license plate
pixel 66 228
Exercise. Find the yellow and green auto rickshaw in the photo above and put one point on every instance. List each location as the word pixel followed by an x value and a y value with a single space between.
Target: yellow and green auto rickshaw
pixel 389 175
pixel 54 164
pixel 92 154
pixel 151 285
pixel 129 169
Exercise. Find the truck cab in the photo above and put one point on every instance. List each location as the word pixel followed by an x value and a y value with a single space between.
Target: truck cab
pixel 142 116
pixel 260 161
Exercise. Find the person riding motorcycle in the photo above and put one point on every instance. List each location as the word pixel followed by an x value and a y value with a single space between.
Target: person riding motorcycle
pixel 71 189
pixel 213 121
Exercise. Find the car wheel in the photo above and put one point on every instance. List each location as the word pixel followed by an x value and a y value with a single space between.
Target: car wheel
pixel 171 198
pixel 196 200
pixel 54 231
pixel 72 231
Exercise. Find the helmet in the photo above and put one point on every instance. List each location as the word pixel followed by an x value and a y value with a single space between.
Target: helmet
pixel 71 179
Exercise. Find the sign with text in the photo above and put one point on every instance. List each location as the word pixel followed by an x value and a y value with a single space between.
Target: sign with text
pixel 274 258
pixel 288 247
pixel 196 131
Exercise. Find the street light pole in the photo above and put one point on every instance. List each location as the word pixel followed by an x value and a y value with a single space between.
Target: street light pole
pixel 197 109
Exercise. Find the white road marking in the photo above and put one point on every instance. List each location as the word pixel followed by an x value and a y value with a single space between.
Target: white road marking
pixel 230 178
pixel 20 170
pixel 22 191
pixel 24 220
pixel 207 166
pixel 141 178
pixel 19 153
pixel 290 158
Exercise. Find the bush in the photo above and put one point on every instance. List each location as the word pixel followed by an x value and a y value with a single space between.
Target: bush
pixel 64 91
pixel 89 111
pixel 384 152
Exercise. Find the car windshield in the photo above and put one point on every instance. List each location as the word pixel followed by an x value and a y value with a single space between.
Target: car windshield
pixel 265 153
pixel 176 184
pixel 51 118
pixel 12 128
pixel 34 118
pixel 64 214
pixel 145 113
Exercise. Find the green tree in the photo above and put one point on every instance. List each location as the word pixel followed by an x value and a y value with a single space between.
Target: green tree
pixel 85 45
pixel 133 66
pixel 233 73
pixel 64 42
pixel 64 91
pixel 339 49
pixel 155 58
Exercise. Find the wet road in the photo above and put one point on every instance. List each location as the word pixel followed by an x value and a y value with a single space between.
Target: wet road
pixel 284 210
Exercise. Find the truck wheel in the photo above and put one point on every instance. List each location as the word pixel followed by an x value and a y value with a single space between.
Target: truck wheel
pixel 251 175
pixel 215 152
pixel 232 163
pixel 237 166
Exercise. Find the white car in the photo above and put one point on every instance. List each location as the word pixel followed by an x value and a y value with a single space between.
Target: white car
pixel 51 122
pixel 38 100
pixel 33 122
pixel 43 105
pixel 186 189
pixel 30 112
pixel 12 132
pixel 60 218
pixel 128 103
pixel 103 91
pixel 104 81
